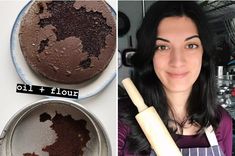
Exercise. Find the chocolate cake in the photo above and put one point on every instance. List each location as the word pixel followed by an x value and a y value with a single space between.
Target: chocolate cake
pixel 68 41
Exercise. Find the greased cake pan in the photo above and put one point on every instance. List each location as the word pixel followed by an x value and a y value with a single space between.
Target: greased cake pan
pixel 54 127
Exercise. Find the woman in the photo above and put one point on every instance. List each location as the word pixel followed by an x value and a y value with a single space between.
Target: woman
pixel 174 72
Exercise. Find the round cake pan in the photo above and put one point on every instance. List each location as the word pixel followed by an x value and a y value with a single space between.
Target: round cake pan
pixel 52 126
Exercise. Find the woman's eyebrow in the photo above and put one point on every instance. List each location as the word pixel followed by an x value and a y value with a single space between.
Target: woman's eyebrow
pixel 188 38
pixel 162 39
pixel 191 37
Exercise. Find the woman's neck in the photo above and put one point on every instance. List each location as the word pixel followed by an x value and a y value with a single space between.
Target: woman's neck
pixel 178 104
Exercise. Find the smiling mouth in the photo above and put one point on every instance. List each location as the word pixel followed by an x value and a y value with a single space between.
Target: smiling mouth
pixel 177 75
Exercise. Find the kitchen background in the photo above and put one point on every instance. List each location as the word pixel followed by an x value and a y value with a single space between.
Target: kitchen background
pixel 221 16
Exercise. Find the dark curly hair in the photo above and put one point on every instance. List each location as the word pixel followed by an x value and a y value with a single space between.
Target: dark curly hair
pixel 202 106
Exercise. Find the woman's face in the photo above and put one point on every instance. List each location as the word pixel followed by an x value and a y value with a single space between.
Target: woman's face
pixel 178 56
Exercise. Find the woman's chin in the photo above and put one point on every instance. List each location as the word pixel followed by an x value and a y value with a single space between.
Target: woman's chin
pixel 178 88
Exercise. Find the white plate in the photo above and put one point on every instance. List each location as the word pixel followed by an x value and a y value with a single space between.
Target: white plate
pixel 86 89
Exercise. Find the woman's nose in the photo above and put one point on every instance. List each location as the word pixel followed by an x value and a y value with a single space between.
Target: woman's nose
pixel 177 57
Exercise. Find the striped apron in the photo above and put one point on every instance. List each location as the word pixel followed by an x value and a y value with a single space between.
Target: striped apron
pixel 213 150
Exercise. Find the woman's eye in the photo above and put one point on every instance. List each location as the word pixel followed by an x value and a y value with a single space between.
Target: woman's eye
pixel 162 48
pixel 191 46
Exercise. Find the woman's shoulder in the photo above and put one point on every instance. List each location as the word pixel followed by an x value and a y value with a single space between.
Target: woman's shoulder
pixel 224 131
pixel 225 117
pixel 225 122
pixel 123 126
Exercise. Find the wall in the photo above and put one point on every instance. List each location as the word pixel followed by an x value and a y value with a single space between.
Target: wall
pixel 134 11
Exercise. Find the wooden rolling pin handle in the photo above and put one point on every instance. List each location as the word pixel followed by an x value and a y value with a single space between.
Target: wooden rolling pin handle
pixel 134 94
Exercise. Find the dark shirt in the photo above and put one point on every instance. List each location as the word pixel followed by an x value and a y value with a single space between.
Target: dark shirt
pixel 223 134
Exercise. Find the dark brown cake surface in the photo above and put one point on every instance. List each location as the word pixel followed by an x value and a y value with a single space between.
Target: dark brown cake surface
pixel 68 41
pixel 72 135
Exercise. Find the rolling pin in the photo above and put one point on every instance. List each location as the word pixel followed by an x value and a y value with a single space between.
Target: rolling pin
pixel 151 124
